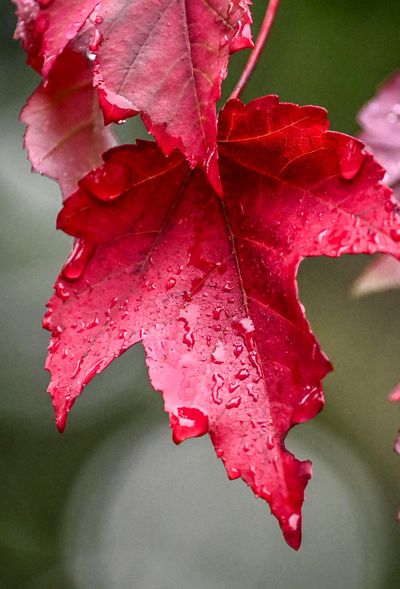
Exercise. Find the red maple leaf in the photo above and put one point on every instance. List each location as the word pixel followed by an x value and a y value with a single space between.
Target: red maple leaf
pixel 65 134
pixel 208 285
pixel 167 60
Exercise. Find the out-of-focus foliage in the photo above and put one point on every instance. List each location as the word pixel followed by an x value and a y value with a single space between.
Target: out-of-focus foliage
pixel 75 511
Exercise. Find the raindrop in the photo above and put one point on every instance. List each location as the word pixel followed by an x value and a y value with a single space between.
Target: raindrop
pixel 242 374
pixel 170 283
pixel 61 291
pixel 188 422
pixel 95 41
pixel 107 182
pixel 395 234
pixel 237 350
pixel 217 313
pixel 270 442
pixel 233 403
pixel 218 355
pixel 228 286
pixel 233 473
pixel 77 260
pixel 218 383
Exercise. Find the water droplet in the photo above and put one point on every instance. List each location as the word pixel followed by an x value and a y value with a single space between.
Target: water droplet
pixel 219 452
pixel 245 328
pixel 233 403
pixel 233 386
pixel 270 442
pixel 95 41
pixel 242 374
pixel 228 286
pixel 122 334
pixel 98 20
pixel 233 473
pixel 218 383
pixel 188 337
pixel 61 291
pixel 389 206
pixel 218 355
pixel 395 234
pixel 351 159
pixel 188 422
pixel 217 313
pixel 93 323
pixel 77 260
pixel 254 361
pixel 237 350
pixel 170 283
pixel 251 392
pixel 107 182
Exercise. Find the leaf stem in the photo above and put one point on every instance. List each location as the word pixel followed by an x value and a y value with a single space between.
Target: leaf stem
pixel 258 47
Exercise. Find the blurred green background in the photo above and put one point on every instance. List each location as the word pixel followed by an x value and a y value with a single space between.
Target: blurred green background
pixel 112 504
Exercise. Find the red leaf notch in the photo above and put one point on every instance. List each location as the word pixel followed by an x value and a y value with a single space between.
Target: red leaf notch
pixel 209 285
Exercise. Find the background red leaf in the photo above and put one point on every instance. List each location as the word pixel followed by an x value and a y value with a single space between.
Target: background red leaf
pixel 167 60
pixel 209 286
pixel 47 26
pixel 65 133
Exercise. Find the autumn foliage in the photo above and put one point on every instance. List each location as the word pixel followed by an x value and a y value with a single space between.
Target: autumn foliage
pixel 191 244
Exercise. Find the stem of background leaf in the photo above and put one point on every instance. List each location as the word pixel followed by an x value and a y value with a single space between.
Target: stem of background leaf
pixel 250 66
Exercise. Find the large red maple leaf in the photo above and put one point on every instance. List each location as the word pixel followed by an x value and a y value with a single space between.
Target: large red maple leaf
pixel 208 285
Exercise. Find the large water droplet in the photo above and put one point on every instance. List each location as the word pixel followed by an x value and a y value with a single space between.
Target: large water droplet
pixel 107 182
pixel 77 260
pixel 188 422
pixel 351 159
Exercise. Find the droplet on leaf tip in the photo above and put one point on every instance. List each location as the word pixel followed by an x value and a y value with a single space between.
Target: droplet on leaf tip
pixel 188 422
